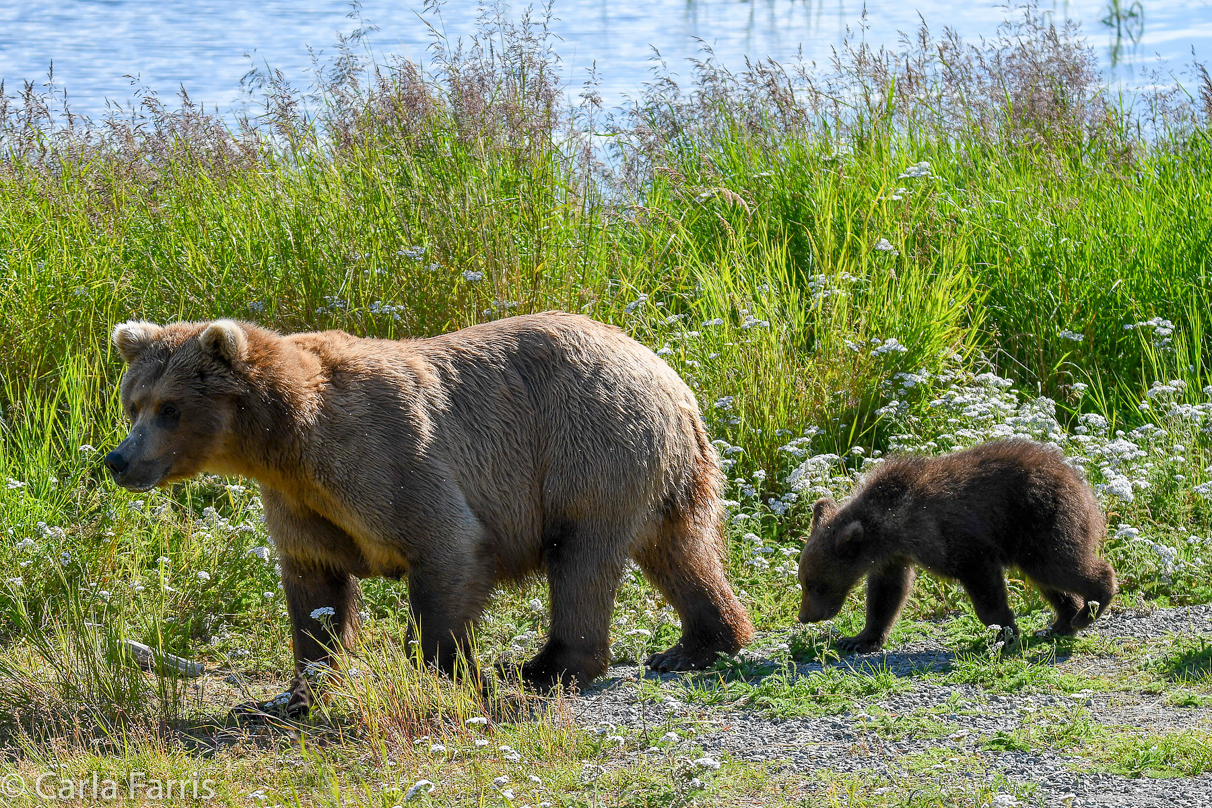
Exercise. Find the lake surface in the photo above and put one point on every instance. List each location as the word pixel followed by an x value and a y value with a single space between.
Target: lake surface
pixel 99 48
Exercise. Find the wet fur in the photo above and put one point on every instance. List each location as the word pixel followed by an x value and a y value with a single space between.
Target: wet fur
pixel 546 443
pixel 966 516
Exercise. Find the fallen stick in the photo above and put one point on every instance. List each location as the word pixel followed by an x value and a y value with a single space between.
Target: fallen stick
pixel 154 661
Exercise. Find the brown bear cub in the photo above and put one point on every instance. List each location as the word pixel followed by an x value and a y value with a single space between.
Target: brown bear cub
pixel 966 516
pixel 544 443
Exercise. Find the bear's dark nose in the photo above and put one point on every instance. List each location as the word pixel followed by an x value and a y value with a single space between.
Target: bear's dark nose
pixel 115 462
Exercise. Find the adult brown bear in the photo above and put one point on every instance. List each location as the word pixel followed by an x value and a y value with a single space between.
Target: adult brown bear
pixel 543 442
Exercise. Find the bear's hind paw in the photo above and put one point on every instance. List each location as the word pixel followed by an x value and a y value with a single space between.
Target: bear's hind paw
pixel 678 658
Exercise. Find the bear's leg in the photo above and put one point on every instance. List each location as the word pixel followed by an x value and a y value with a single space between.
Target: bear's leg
pixel 887 591
pixel 684 563
pixel 584 568
pixel 1067 605
pixel 1091 578
pixel 986 587
pixel 445 598
pixel 1096 585
pixel 1072 573
pixel 312 590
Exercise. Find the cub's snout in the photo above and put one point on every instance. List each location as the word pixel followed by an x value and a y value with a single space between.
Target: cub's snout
pixel 814 609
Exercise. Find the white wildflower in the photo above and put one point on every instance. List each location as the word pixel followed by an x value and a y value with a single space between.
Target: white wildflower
pixel 418 788
pixel 1120 487
pixel 916 171
pixel 635 304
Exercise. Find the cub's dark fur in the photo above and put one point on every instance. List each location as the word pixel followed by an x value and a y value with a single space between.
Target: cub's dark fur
pixel 967 516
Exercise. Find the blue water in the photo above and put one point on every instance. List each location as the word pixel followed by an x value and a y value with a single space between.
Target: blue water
pixel 101 49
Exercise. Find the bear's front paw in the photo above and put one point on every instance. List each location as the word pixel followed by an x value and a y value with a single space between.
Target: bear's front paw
pixel 859 644
pixel 558 664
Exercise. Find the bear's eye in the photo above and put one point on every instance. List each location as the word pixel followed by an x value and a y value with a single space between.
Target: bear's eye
pixel 169 412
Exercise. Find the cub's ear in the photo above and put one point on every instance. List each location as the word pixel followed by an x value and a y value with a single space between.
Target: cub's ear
pixel 822 510
pixel 226 340
pixel 132 338
pixel 849 538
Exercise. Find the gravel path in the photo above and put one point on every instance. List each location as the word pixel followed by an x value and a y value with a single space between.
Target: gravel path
pixel 849 743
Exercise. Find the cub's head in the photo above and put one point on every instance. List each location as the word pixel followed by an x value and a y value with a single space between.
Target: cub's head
pixel 831 562
pixel 178 394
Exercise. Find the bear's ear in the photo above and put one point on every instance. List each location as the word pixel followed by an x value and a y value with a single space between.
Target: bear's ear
pixel 849 538
pixel 226 340
pixel 822 510
pixel 132 338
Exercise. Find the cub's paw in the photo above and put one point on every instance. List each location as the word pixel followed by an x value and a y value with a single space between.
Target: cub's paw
pixel 679 658
pixel 1055 632
pixel 298 707
pixel 292 705
pixel 859 644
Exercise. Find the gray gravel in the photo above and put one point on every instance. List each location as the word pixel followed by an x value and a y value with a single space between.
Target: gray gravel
pixel 844 743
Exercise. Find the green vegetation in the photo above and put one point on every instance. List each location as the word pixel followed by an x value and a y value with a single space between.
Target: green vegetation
pixel 911 251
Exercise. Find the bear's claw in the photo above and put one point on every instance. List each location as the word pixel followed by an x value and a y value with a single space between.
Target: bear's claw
pixel 1054 632
pixel 679 659
pixel 858 645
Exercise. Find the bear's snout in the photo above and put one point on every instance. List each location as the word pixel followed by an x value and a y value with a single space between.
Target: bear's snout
pixel 811 614
pixel 130 468
pixel 814 609
pixel 116 463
